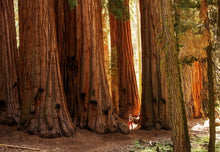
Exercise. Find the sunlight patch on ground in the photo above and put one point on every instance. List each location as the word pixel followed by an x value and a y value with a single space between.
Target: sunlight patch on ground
pixel 205 127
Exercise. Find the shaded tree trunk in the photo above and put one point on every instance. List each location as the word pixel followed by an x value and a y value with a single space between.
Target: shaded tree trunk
pixel 154 99
pixel 129 102
pixel 114 63
pixel 147 90
pixel 9 97
pixel 100 115
pixel 84 67
pixel 44 108
pixel 210 69
pixel 180 135
pixel 68 23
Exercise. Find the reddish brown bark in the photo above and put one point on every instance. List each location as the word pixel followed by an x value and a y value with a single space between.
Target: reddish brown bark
pixel 84 70
pixel 114 62
pixel 129 102
pixel 9 97
pixel 155 111
pixel 196 89
pixel 94 88
pixel 44 108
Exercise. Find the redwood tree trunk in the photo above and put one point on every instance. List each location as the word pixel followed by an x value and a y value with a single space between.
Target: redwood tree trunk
pixel 155 111
pixel 95 94
pixel 147 90
pixel 44 108
pixel 114 62
pixel 129 102
pixel 84 67
pixel 9 98
pixel 197 90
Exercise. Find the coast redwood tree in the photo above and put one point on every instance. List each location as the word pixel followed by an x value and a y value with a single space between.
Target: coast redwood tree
pixel 129 102
pixel 154 105
pixel 9 98
pixel 84 74
pixel 114 62
pixel 96 111
pixel 147 91
pixel 44 109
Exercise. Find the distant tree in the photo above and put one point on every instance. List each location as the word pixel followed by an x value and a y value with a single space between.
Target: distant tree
pixel 44 109
pixel 114 63
pixel 154 108
pixel 129 102
pixel 9 97
pixel 84 73
pixel 180 134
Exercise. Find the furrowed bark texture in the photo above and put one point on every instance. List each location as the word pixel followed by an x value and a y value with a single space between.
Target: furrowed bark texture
pixel 44 108
pixel 67 21
pixel 210 72
pixel 194 82
pixel 114 63
pixel 90 100
pixel 129 102
pixel 154 110
pixel 9 97
pixel 180 135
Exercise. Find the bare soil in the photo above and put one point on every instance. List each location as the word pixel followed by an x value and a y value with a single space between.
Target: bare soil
pixel 87 141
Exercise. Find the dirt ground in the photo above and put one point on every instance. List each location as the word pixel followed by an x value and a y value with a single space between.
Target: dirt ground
pixel 87 141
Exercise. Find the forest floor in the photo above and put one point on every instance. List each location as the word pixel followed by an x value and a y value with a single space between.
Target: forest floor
pixel 87 141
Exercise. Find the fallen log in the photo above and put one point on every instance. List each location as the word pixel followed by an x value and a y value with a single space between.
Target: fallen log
pixel 18 147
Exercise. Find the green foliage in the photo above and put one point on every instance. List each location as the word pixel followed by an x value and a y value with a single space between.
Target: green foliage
pixel 119 9
pixel 72 3
pixel 189 60
pixel 198 143
pixel 186 4
pixel 112 64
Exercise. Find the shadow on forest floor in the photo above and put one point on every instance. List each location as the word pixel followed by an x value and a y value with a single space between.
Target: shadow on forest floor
pixel 86 141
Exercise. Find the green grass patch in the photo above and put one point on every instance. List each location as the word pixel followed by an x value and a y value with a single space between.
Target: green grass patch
pixel 198 144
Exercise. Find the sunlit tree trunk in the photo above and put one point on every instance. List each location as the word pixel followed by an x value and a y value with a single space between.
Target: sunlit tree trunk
pixel 44 108
pixel 139 47
pixel 197 90
pixel 106 33
pixel 129 102
pixel 9 97
pixel 180 135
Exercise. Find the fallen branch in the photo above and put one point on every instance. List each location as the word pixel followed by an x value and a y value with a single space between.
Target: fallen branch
pixel 18 147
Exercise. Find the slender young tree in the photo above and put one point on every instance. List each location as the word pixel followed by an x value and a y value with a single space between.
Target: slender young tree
pixel 210 73
pixel 9 97
pixel 44 109
pixel 180 134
